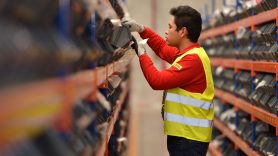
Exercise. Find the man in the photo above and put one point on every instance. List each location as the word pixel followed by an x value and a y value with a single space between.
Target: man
pixel 188 84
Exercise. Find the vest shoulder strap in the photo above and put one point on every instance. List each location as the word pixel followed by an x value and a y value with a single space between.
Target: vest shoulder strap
pixel 192 51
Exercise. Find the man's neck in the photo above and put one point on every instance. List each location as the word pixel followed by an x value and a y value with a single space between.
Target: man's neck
pixel 185 44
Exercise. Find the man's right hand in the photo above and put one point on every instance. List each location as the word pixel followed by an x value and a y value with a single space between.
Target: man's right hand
pixel 133 25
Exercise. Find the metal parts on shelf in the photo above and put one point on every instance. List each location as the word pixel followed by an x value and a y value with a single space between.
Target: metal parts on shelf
pixel 57 44
pixel 110 39
pixel 118 8
pixel 47 143
pixel 265 5
pixel 33 13
pixel 241 84
pixel 35 54
pixel 242 9
pixel 241 45
pixel 264 134
pixel 39 52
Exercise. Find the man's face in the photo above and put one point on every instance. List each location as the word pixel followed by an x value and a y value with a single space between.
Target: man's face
pixel 173 37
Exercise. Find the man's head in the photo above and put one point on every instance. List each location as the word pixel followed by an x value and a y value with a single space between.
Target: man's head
pixel 185 23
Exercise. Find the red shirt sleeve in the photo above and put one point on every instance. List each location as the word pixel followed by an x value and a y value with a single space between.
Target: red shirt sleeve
pixel 190 77
pixel 159 45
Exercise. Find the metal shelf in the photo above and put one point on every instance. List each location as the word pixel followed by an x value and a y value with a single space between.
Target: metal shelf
pixel 214 151
pixel 234 138
pixel 41 104
pixel 247 107
pixel 246 22
pixel 113 119
pixel 255 66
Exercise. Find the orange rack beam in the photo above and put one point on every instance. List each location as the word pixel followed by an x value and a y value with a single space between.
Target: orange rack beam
pixel 214 151
pixel 247 107
pixel 113 119
pixel 256 66
pixel 234 138
pixel 246 22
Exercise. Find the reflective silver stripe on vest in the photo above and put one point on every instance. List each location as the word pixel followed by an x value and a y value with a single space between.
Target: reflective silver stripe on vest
pixel 187 120
pixel 188 101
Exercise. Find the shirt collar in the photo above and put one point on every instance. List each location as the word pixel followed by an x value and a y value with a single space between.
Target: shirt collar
pixel 195 45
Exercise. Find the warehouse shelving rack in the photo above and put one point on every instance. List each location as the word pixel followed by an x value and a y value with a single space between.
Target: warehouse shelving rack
pixel 253 66
pixel 251 21
pixel 254 111
pixel 58 95
pixel 214 151
pixel 62 93
pixel 239 143
pixel 103 147
pixel 250 65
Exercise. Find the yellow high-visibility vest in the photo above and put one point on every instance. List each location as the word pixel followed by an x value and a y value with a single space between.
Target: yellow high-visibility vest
pixel 188 114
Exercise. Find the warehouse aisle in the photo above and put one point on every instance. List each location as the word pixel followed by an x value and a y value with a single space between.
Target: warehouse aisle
pixel 146 103
pixel 146 106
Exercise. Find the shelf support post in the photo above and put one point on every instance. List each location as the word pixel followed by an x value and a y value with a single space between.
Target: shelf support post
pixel 63 18
pixel 253 29
pixel 253 120
pixel 276 93
pixel 253 74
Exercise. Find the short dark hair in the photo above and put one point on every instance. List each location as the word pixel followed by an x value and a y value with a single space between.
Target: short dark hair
pixel 186 16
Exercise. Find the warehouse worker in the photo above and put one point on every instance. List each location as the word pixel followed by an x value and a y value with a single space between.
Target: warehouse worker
pixel 187 84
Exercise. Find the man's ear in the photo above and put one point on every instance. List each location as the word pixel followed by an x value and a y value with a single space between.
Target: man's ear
pixel 183 32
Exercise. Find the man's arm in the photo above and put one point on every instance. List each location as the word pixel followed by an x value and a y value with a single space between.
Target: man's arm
pixel 189 71
pixel 159 45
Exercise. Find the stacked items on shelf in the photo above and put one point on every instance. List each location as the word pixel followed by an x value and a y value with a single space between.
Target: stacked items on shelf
pixel 221 142
pixel 242 9
pixel 118 144
pixel 55 56
pixel 264 84
pixel 237 127
pixel 242 45
pixel 265 42
pixel 30 45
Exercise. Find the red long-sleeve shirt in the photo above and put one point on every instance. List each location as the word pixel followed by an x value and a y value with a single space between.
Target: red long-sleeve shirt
pixel 190 77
